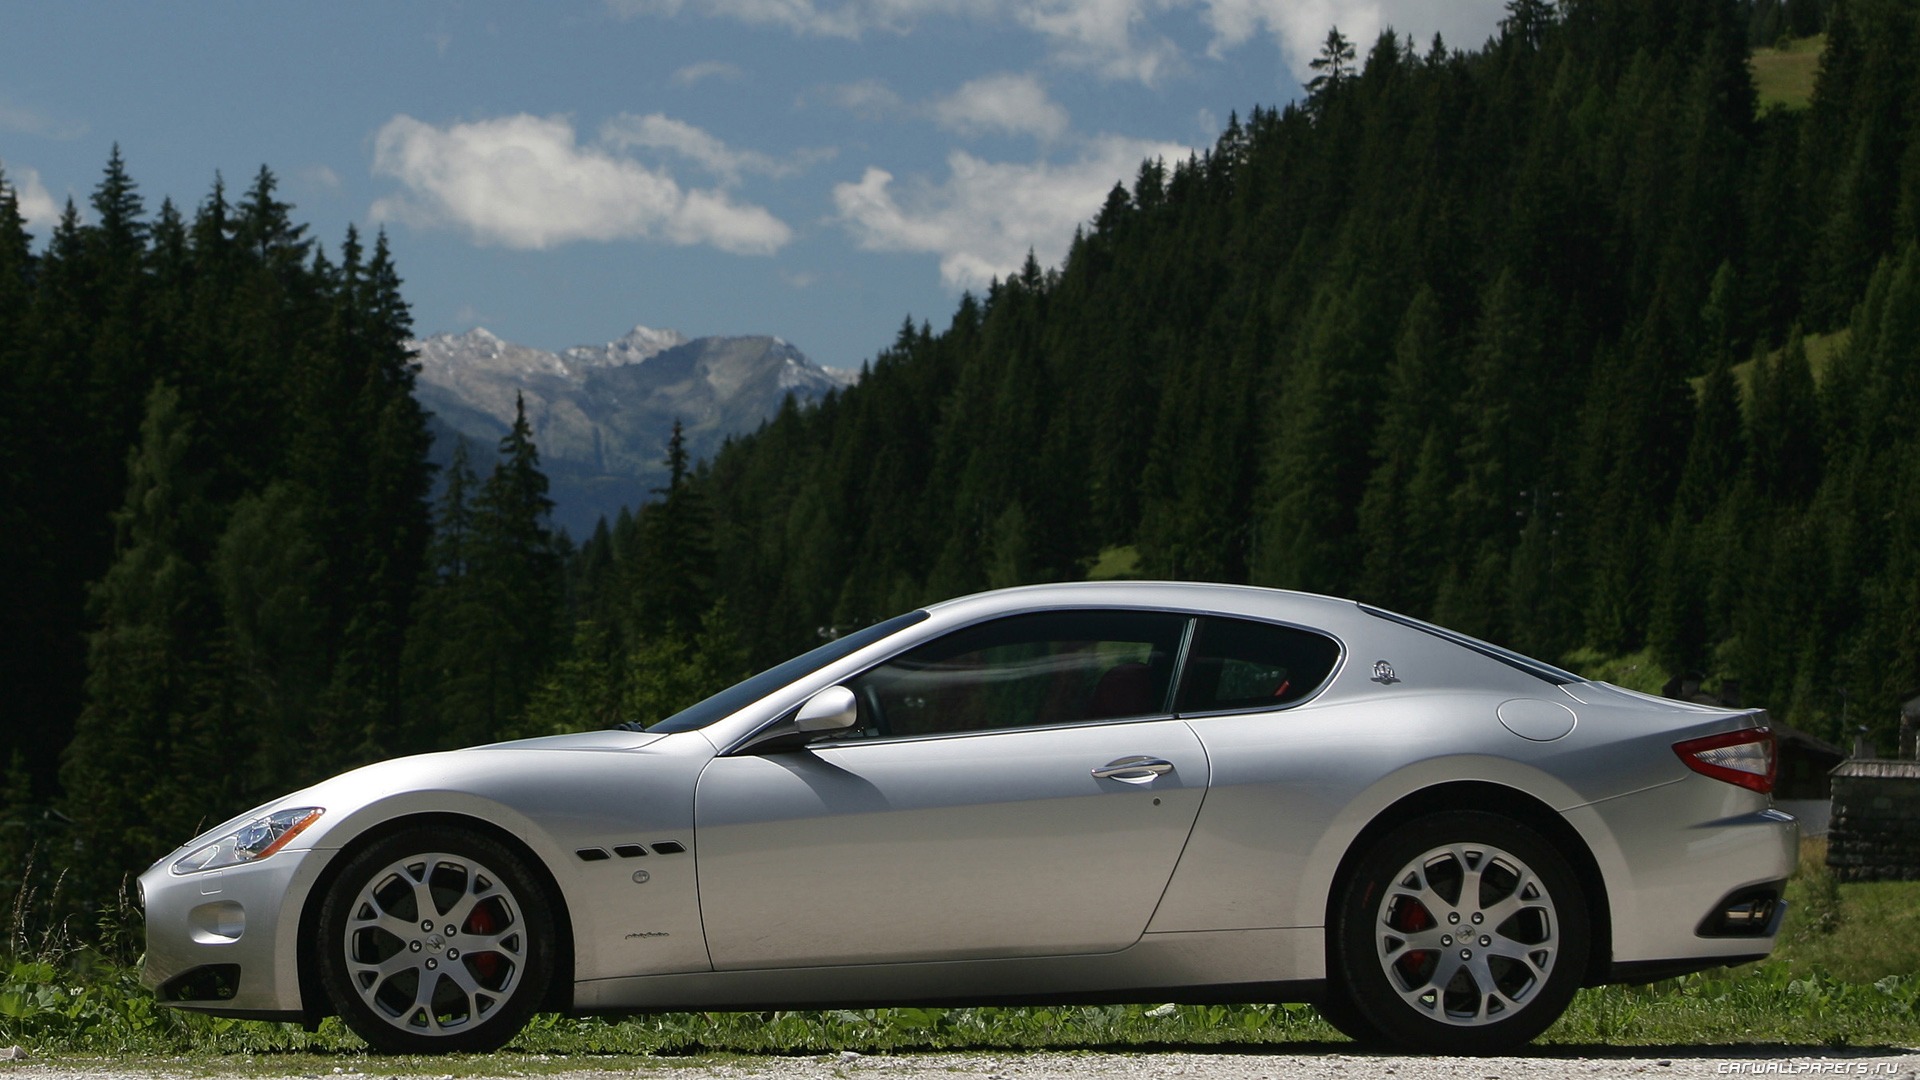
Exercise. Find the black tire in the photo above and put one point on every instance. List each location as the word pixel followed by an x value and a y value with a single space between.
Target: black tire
pixel 1436 965
pixel 461 977
pixel 1336 1008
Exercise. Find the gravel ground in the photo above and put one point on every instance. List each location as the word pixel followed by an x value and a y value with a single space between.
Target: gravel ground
pixel 1598 1063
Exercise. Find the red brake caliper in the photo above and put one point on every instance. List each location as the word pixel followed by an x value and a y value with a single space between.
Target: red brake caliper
pixel 487 964
pixel 1410 917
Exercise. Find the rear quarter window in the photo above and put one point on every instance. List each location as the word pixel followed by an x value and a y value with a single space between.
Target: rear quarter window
pixel 1237 664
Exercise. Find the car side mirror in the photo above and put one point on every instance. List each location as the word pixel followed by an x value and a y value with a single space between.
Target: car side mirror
pixel 832 709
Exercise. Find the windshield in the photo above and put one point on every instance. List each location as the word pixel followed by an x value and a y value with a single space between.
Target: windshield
pixel 741 694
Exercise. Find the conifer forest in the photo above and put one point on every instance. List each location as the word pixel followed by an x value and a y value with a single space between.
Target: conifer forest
pixel 1559 339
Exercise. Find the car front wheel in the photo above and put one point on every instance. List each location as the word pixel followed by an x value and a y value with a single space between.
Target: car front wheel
pixel 1461 933
pixel 434 941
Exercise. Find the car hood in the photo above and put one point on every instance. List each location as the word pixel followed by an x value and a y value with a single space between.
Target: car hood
pixel 583 740
pixel 356 785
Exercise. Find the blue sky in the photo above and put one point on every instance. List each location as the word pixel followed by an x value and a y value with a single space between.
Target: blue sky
pixel 561 171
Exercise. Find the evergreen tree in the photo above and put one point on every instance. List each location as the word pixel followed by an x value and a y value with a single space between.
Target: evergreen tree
pixel 1401 517
pixel 677 551
pixel 1527 21
pixel 446 685
pixel 1334 64
pixel 149 758
pixel 514 578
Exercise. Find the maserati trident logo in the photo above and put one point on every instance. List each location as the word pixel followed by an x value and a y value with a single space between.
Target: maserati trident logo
pixel 1383 673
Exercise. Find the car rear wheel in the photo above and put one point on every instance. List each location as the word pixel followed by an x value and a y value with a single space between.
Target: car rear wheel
pixel 435 941
pixel 1461 933
pixel 1338 1009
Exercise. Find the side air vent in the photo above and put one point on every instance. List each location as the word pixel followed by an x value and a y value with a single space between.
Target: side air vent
pixel 668 847
pixel 592 854
pixel 629 851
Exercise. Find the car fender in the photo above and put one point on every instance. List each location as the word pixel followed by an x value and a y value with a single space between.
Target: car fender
pixel 616 836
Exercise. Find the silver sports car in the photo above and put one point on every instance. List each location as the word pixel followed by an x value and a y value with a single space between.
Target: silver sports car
pixel 1117 792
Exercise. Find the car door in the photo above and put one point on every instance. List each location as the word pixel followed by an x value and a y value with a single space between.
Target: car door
pixel 1015 788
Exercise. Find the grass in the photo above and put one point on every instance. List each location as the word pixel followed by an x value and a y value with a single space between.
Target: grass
pixel 1635 671
pixel 1784 76
pixel 1867 930
pixel 1821 351
pixel 1844 973
pixel 1115 563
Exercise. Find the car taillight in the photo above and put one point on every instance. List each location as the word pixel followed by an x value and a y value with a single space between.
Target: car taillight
pixel 1745 757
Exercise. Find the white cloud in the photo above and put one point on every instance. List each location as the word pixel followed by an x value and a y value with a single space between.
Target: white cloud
pixel 1003 104
pixel 318 181
pixel 848 19
pixel 523 182
pixel 1300 27
pixel 25 120
pixel 869 99
pixel 694 74
pixel 36 204
pixel 985 217
pixel 1101 35
pixel 1117 39
pixel 631 9
pixel 656 131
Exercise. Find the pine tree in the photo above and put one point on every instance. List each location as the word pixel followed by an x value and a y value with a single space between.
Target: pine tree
pixel 676 551
pixel 1398 527
pixel 1717 446
pixel 1334 64
pixel 269 575
pixel 149 757
pixel 1527 21
pixel 446 685
pixel 514 585
pixel 24 541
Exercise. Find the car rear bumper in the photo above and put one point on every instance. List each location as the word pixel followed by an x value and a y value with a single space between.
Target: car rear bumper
pixel 1684 896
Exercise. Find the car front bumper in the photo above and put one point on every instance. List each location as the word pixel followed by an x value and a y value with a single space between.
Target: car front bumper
pixel 227 941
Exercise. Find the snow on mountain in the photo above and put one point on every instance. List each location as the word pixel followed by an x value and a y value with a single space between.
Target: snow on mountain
pixel 640 344
pixel 601 414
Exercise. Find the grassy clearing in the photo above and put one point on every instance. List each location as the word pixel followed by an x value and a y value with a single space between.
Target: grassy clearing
pixel 1635 671
pixel 1784 76
pixel 1114 564
pixel 1821 351
pixel 1843 974
pixel 1864 931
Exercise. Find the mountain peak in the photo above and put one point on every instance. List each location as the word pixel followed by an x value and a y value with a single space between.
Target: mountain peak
pixel 638 345
pixel 647 335
pixel 602 414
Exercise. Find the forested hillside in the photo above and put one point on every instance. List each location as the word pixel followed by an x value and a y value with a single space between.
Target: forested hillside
pixel 1512 338
pixel 222 572
pixel 1430 337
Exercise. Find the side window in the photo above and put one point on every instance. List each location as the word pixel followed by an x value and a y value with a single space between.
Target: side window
pixel 1235 664
pixel 1057 667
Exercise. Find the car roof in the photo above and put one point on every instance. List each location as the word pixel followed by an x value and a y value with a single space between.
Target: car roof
pixel 1249 600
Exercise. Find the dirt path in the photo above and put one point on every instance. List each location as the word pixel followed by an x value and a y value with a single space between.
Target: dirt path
pixel 1598 1063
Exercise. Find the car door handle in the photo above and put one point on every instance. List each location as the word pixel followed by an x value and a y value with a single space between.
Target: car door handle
pixel 1137 769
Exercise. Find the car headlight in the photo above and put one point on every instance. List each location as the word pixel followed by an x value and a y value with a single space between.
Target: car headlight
pixel 257 839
